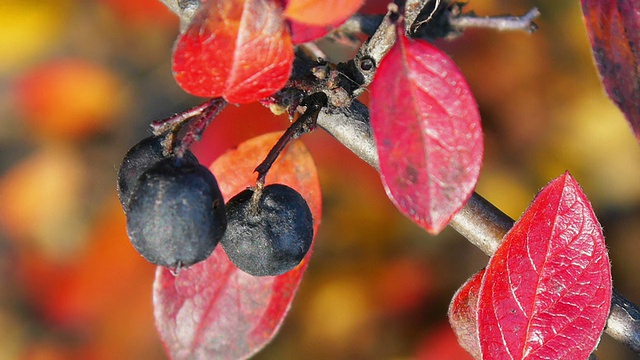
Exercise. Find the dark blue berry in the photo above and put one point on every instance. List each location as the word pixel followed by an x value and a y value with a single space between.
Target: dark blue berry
pixel 268 234
pixel 139 158
pixel 176 214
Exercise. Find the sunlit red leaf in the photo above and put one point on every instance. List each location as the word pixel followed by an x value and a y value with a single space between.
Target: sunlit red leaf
pixel 214 310
pixel 462 314
pixel 614 31
pixel 427 129
pixel 237 49
pixel 546 292
pixel 321 12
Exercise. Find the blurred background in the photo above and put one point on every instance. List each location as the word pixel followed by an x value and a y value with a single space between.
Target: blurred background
pixel 80 80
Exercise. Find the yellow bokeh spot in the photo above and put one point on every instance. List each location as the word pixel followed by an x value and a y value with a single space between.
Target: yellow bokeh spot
pixel 340 310
pixel 592 139
pixel 505 189
pixel 29 28
pixel 41 204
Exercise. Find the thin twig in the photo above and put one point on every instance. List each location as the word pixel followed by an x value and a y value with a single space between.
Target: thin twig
pixel 372 51
pixel 501 23
pixel 305 123
pixel 410 22
pixel 413 8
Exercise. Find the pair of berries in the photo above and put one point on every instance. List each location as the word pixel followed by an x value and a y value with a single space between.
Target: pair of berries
pixel 176 215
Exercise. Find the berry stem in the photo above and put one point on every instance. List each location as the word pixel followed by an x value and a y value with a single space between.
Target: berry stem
pixel 203 113
pixel 160 126
pixel 200 124
pixel 304 124
pixel 176 271
pixel 254 203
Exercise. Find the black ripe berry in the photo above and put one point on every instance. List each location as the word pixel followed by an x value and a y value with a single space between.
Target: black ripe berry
pixel 268 234
pixel 139 158
pixel 176 214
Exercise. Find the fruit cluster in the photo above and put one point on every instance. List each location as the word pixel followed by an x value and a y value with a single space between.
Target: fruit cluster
pixel 176 214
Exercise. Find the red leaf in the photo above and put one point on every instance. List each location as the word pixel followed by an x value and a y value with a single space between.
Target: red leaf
pixel 427 129
pixel 462 314
pixel 546 292
pixel 321 12
pixel 614 31
pixel 237 49
pixel 302 33
pixel 213 309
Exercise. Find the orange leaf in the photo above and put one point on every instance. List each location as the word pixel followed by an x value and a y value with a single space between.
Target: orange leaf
pixel 302 33
pixel 65 99
pixel 321 12
pixel 213 309
pixel 236 49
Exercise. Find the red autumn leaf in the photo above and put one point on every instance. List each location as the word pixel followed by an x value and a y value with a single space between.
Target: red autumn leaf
pixel 302 33
pixel 614 31
pixel 546 292
pixel 462 314
pixel 427 128
pixel 236 49
pixel 321 12
pixel 213 309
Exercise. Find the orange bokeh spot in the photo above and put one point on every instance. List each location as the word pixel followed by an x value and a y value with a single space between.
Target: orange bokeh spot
pixel 147 12
pixel 69 99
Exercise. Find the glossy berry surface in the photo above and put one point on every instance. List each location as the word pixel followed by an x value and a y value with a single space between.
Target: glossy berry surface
pixel 271 236
pixel 139 158
pixel 176 214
